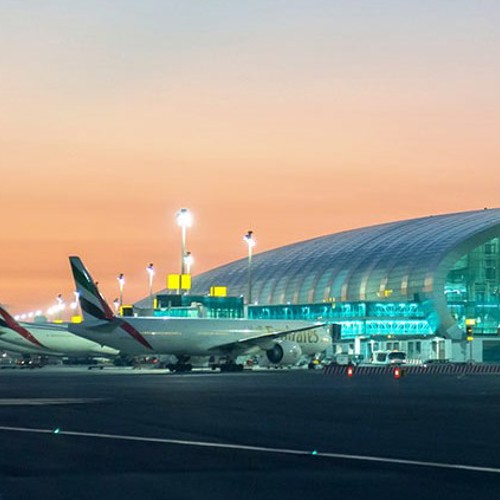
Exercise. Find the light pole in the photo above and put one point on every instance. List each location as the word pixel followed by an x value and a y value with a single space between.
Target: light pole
pixel 151 272
pixel 60 306
pixel 188 262
pixel 184 220
pixel 121 283
pixel 116 304
pixel 74 305
pixel 250 241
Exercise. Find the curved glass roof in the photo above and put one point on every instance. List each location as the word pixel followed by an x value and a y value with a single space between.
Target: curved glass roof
pixel 405 260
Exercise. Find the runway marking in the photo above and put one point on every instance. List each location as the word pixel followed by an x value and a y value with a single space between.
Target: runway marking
pixel 261 449
pixel 45 401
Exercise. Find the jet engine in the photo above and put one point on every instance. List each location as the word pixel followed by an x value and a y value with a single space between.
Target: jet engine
pixel 284 353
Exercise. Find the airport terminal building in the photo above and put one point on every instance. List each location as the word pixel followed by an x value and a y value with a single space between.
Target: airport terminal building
pixel 432 277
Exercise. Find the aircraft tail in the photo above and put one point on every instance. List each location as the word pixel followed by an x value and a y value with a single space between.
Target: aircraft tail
pixel 7 321
pixel 93 305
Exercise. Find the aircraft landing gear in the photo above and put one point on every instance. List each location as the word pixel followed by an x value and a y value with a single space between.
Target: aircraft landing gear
pixel 124 361
pixel 231 367
pixel 182 365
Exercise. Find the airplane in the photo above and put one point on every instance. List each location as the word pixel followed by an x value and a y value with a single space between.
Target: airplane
pixel 46 339
pixel 183 337
pixel 312 344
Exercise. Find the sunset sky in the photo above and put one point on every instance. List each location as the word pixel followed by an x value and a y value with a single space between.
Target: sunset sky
pixel 293 119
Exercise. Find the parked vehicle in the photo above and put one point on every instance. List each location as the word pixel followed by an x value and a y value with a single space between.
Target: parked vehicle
pixel 348 359
pixel 389 358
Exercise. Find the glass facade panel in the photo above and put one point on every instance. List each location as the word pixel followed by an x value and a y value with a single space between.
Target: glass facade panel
pixel 399 319
pixel 197 306
pixel 473 289
pixel 305 289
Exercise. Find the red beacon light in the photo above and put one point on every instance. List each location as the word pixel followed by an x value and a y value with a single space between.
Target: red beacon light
pixel 350 371
pixel 397 372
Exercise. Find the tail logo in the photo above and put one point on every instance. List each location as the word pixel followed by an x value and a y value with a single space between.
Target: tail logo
pixel 9 322
pixel 91 300
pixel 93 304
pixel 135 334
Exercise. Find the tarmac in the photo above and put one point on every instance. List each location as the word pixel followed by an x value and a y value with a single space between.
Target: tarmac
pixel 68 432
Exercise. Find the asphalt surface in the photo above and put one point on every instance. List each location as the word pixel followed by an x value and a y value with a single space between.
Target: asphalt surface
pixel 69 433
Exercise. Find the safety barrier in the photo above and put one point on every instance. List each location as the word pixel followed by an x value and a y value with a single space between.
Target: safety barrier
pixel 430 369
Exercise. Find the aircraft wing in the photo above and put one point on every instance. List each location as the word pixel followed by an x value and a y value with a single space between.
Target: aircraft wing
pixel 262 339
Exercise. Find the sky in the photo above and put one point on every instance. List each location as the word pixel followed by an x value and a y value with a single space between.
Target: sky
pixel 293 119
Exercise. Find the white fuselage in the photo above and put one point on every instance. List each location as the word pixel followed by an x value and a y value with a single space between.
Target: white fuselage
pixel 54 340
pixel 187 336
pixel 14 348
pixel 311 342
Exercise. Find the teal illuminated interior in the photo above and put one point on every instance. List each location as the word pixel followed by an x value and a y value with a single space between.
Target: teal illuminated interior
pixel 473 289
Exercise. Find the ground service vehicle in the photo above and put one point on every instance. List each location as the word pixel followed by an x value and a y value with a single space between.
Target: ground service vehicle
pixel 389 358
